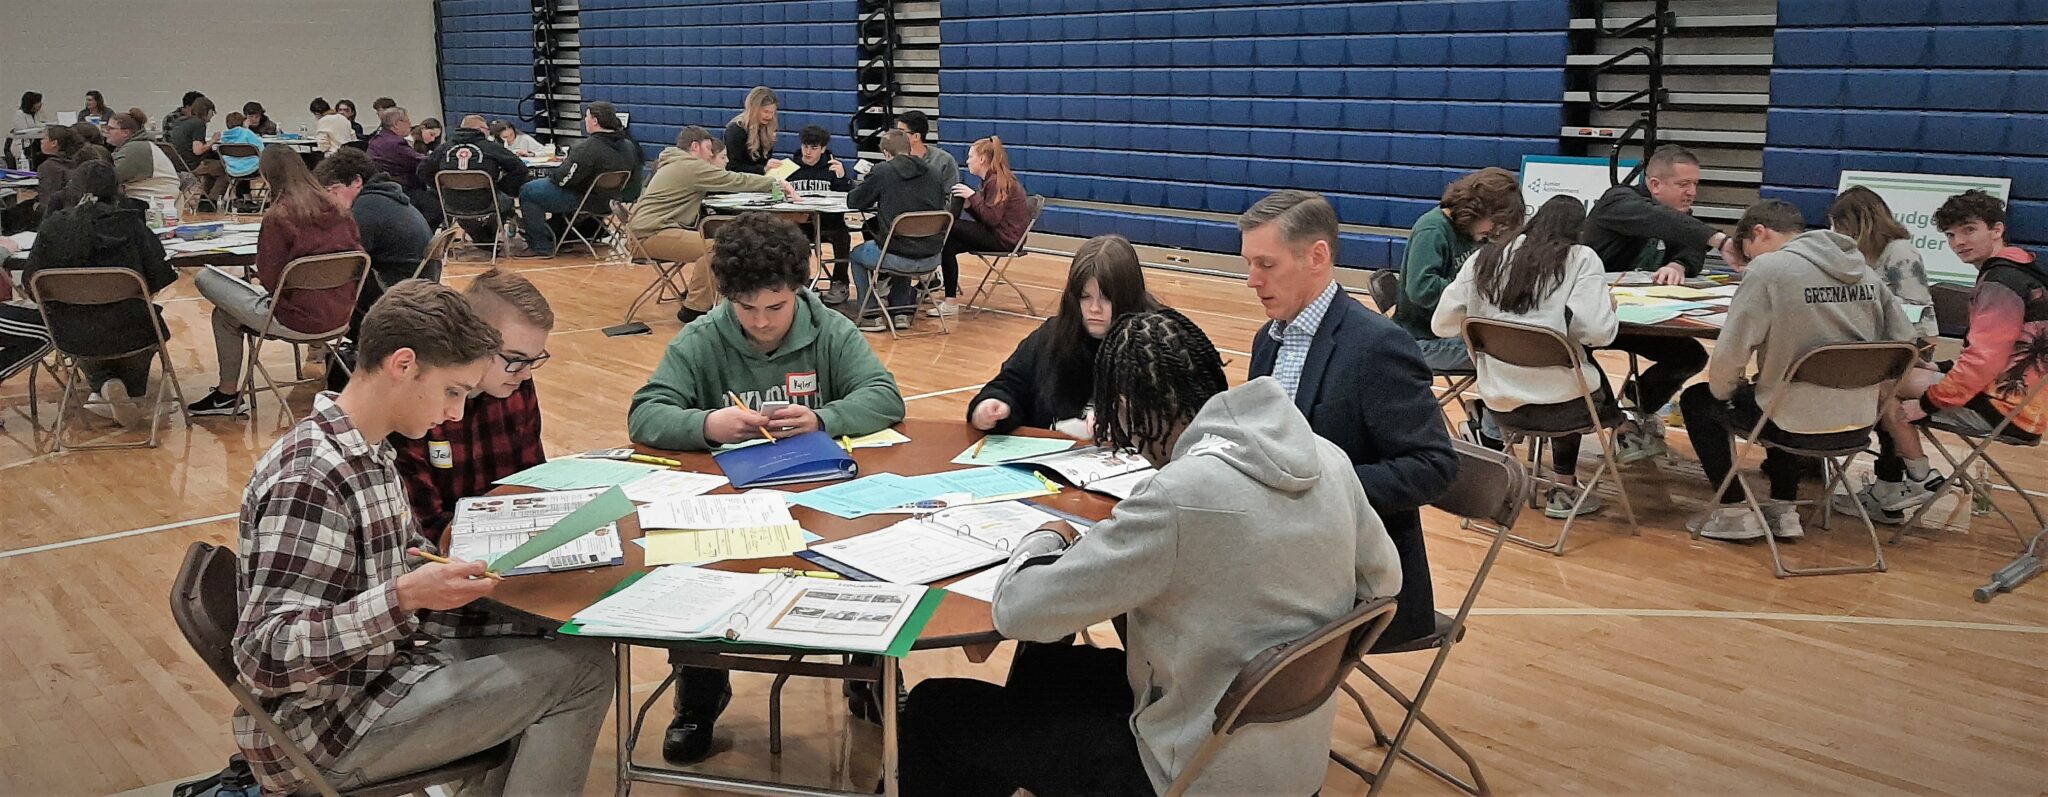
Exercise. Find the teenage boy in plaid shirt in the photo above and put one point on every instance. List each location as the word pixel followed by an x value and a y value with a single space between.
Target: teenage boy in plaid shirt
pixel 364 654
pixel 499 432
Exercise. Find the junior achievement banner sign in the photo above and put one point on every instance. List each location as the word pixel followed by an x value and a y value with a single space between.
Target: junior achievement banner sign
pixel 1913 199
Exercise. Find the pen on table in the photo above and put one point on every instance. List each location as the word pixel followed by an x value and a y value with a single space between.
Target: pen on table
pixel 743 405
pixel 978 447
pixel 654 460
pixel 792 572
pixel 443 560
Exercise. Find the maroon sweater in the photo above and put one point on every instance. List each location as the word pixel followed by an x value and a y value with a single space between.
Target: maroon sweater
pixel 1006 220
pixel 281 242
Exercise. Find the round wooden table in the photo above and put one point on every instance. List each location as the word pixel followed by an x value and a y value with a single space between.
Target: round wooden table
pixel 960 622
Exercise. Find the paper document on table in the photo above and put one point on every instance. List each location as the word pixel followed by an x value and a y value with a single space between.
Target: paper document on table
pixel 574 473
pixel 913 552
pixel 556 531
pixel 1629 278
pixel 998 525
pixel 711 545
pixel 985 484
pixel 996 449
pixel 1679 292
pixel 881 439
pixel 241 249
pixel 1084 467
pixel 681 602
pixel 980 586
pixel 1644 315
pixel 670 484
pixel 23 241
pixel 675 602
pixel 863 496
pixel 1121 487
pixel 746 510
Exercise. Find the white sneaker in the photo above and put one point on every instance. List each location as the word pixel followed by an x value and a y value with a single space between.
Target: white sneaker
pixel 946 308
pixel 1730 524
pixel 97 405
pixel 1906 494
pixel 1846 504
pixel 1786 525
pixel 125 412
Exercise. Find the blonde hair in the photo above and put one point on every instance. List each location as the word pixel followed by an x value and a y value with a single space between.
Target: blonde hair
pixel 999 184
pixel 500 289
pixel 760 135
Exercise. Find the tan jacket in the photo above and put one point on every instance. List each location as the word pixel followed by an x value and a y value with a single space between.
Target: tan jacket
pixel 675 197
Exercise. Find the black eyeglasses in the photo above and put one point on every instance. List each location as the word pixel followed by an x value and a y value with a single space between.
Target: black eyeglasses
pixel 513 364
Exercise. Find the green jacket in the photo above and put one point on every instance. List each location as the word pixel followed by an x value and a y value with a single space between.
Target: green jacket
pixel 823 364
pixel 1436 249
pixel 675 197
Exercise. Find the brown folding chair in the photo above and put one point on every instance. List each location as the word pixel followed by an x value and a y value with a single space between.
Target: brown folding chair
pixel 310 273
pixel 594 205
pixel 663 288
pixel 1979 445
pixel 101 287
pixel 204 604
pixel 435 258
pixel 249 180
pixel 1836 366
pixel 1531 346
pixel 1287 681
pixel 999 263
pixel 1491 488
pixel 1385 287
pixel 1951 308
pixel 461 194
pixel 919 224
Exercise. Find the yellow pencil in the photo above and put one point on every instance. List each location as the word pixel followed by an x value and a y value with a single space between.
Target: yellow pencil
pixel 654 460
pixel 743 405
pixel 978 447
pixel 442 560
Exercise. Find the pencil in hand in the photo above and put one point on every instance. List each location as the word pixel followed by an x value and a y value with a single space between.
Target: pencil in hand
pixel 743 405
pixel 443 560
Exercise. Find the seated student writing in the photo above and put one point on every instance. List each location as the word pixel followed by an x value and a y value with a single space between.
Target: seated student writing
pixel 771 340
pixel 666 218
pixel 2004 356
pixel 1049 380
pixel 1175 560
pixel 1799 290
pixel 1541 277
pixel 518 141
pixel 499 431
pixel 374 661
pixel 818 171
pixel 1474 208
pixel 902 184
pixel 996 219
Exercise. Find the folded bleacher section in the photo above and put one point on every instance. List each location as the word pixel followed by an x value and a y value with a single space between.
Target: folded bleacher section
pixel 672 63
pixel 1207 105
pixel 486 60
pixel 1927 86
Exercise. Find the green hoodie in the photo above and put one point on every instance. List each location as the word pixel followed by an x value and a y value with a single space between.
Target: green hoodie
pixel 823 364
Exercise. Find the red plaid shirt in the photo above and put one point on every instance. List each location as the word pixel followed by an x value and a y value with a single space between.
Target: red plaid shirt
pixel 495 438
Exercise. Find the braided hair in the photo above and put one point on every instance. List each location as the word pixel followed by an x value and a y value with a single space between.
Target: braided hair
pixel 1155 371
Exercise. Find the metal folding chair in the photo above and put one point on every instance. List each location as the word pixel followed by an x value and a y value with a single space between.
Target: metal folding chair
pixel 602 190
pixel 1838 366
pixel 310 273
pixel 435 258
pixel 203 602
pixel 102 287
pixel 1491 488
pixel 999 263
pixel 920 224
pixel 1980 448
pixel 249 180
pixel 1531 346
pixel 1287 681
pixel 469 196
pixel 663 288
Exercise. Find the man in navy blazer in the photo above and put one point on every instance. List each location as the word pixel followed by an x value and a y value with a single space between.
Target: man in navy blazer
pixel 1358 378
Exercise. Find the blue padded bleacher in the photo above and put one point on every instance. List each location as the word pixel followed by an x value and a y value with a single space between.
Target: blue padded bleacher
pixel 1819 13
pixel 486 59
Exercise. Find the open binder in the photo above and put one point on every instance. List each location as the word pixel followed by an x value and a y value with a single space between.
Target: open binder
pixel 782 608
pixel 1095 469
pixel 930 547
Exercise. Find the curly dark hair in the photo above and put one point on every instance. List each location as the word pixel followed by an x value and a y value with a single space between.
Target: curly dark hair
pixel 1969 206
pixel 346 165
pixel 1155 371
pixel 1490 193
pixel 759 252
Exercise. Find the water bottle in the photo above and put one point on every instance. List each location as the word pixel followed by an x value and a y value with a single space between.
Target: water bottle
pixel 776 193
pixel 302 131
pixel 170 210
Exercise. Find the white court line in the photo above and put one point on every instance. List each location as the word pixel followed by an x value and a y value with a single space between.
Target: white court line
pixel 115 536
pixel 937 393
pixel 1691 614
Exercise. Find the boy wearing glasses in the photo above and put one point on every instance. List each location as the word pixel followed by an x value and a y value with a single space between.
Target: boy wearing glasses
pixel 499 432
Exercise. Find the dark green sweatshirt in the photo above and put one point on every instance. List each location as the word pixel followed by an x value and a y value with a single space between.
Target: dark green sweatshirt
pixel 1436 249
pixel 823 363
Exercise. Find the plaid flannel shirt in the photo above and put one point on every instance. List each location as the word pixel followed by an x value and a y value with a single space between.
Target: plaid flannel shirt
pixel 496 437
pixel 321 638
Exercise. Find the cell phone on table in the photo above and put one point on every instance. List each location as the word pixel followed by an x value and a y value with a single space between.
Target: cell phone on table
pixel 769 408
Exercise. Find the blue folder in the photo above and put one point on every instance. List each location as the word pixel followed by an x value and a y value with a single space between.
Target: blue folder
pixel 812 457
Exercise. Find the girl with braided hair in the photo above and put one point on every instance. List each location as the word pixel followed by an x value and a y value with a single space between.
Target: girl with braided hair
pixel 1254 532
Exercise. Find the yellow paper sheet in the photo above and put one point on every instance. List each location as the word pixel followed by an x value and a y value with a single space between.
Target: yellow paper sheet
pixel 1680 292
pixel 676 547
pixel 783 172
pixel 881 439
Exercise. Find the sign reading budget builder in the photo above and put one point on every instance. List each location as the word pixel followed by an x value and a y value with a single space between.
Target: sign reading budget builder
pixel 1913 199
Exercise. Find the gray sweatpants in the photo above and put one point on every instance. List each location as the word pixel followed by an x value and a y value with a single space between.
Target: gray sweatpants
pixel 237 305
pixel 549 694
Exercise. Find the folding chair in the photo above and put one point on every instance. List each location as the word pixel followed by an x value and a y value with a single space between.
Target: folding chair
pixel 1491 488
pixel 920 224
pixel 602 189
pixel 203 602
pixel 1951 308
pixel 248 180
pixel 1837 366
pixel 435 257
pixel 100 287
pixel 1980 448
pixel 310 273
pixel 1385 287
pixel 1531 346
pixel 663 288
pixel 999 263
pixel 469 195
pixel 1287 681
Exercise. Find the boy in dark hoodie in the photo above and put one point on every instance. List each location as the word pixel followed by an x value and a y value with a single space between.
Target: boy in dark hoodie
pixel 606 149
pixel 1801 290
pixel 2004 356
pixel 818 171
pixel 771 340
pixel 394 233
pixel 471 148
pixel 902 184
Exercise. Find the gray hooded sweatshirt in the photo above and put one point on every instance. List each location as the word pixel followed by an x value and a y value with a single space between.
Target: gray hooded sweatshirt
pixel 1815 291
pixel 1256 533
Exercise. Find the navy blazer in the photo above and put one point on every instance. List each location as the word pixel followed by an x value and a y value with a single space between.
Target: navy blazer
pixel 1365 388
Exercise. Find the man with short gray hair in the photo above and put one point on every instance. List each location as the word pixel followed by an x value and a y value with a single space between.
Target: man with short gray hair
pixel 1358 377
pixel 390 150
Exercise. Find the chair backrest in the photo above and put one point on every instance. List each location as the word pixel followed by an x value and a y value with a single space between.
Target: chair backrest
pixel 1037 206
pixel 918 224
pixel 710 226
pixel 436 255
pixel 177 161
pixel 1951 306
pixel 319 273
pixel 357 144
pixel 1515 343
pixel 604 189
pixel 1385 287
pixel 467 194
pixel 88 287
pixel 1853 366
pixel 1491 486
pixel 237 150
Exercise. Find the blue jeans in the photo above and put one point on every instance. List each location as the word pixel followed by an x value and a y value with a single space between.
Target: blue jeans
pixel 902 295
pixel 539 198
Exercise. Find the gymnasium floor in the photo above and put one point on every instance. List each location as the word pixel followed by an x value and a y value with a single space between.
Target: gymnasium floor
pixel 1637 665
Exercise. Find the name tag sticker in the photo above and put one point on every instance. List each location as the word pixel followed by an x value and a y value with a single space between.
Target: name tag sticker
pixel 439 454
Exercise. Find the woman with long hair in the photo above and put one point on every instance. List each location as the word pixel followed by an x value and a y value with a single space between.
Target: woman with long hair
pixel 750 136
pixel 95 107
pixel 519 142
pixel 1863 215
pixel 1541 277
pixel 303 220
pixel 1048 381
pixel 64 150
pixel 997 215
pixel 28 117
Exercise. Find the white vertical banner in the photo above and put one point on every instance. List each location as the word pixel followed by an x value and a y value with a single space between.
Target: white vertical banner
pixel 1913 199
pixel 1546 176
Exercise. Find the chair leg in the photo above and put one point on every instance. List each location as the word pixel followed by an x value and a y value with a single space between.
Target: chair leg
pixel 1778 566
pixel 1398 749
pixel 775 711
pixel 63 409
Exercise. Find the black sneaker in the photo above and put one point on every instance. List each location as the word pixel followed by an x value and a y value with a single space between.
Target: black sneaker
pixel 686 315
pixel 218 403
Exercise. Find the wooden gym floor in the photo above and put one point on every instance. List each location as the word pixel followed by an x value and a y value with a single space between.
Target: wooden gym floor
pixel 1650 664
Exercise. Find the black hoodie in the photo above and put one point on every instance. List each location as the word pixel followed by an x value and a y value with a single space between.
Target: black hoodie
pixel 1626 220
pixel 394 233
pixel 903 184
pixel 818 177
pixel 97 234
pixel 467 149
pixel 603 151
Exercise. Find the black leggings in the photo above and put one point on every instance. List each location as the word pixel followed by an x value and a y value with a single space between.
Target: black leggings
pixel 1711 423
pixel 1672 361
pixel 968 236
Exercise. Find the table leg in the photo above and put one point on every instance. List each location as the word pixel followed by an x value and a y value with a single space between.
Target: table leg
pixel 890 675
pixel 623 707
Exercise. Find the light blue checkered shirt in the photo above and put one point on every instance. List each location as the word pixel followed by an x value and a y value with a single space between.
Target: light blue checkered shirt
pixel 1294 337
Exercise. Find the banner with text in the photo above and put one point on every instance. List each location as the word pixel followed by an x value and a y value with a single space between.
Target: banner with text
pixel 1546 176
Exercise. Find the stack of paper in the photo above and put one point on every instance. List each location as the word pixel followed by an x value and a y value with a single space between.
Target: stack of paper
pixel 562 530
pixel 710 528
pixel 926 549
pixel 679 602
pixel 663 485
